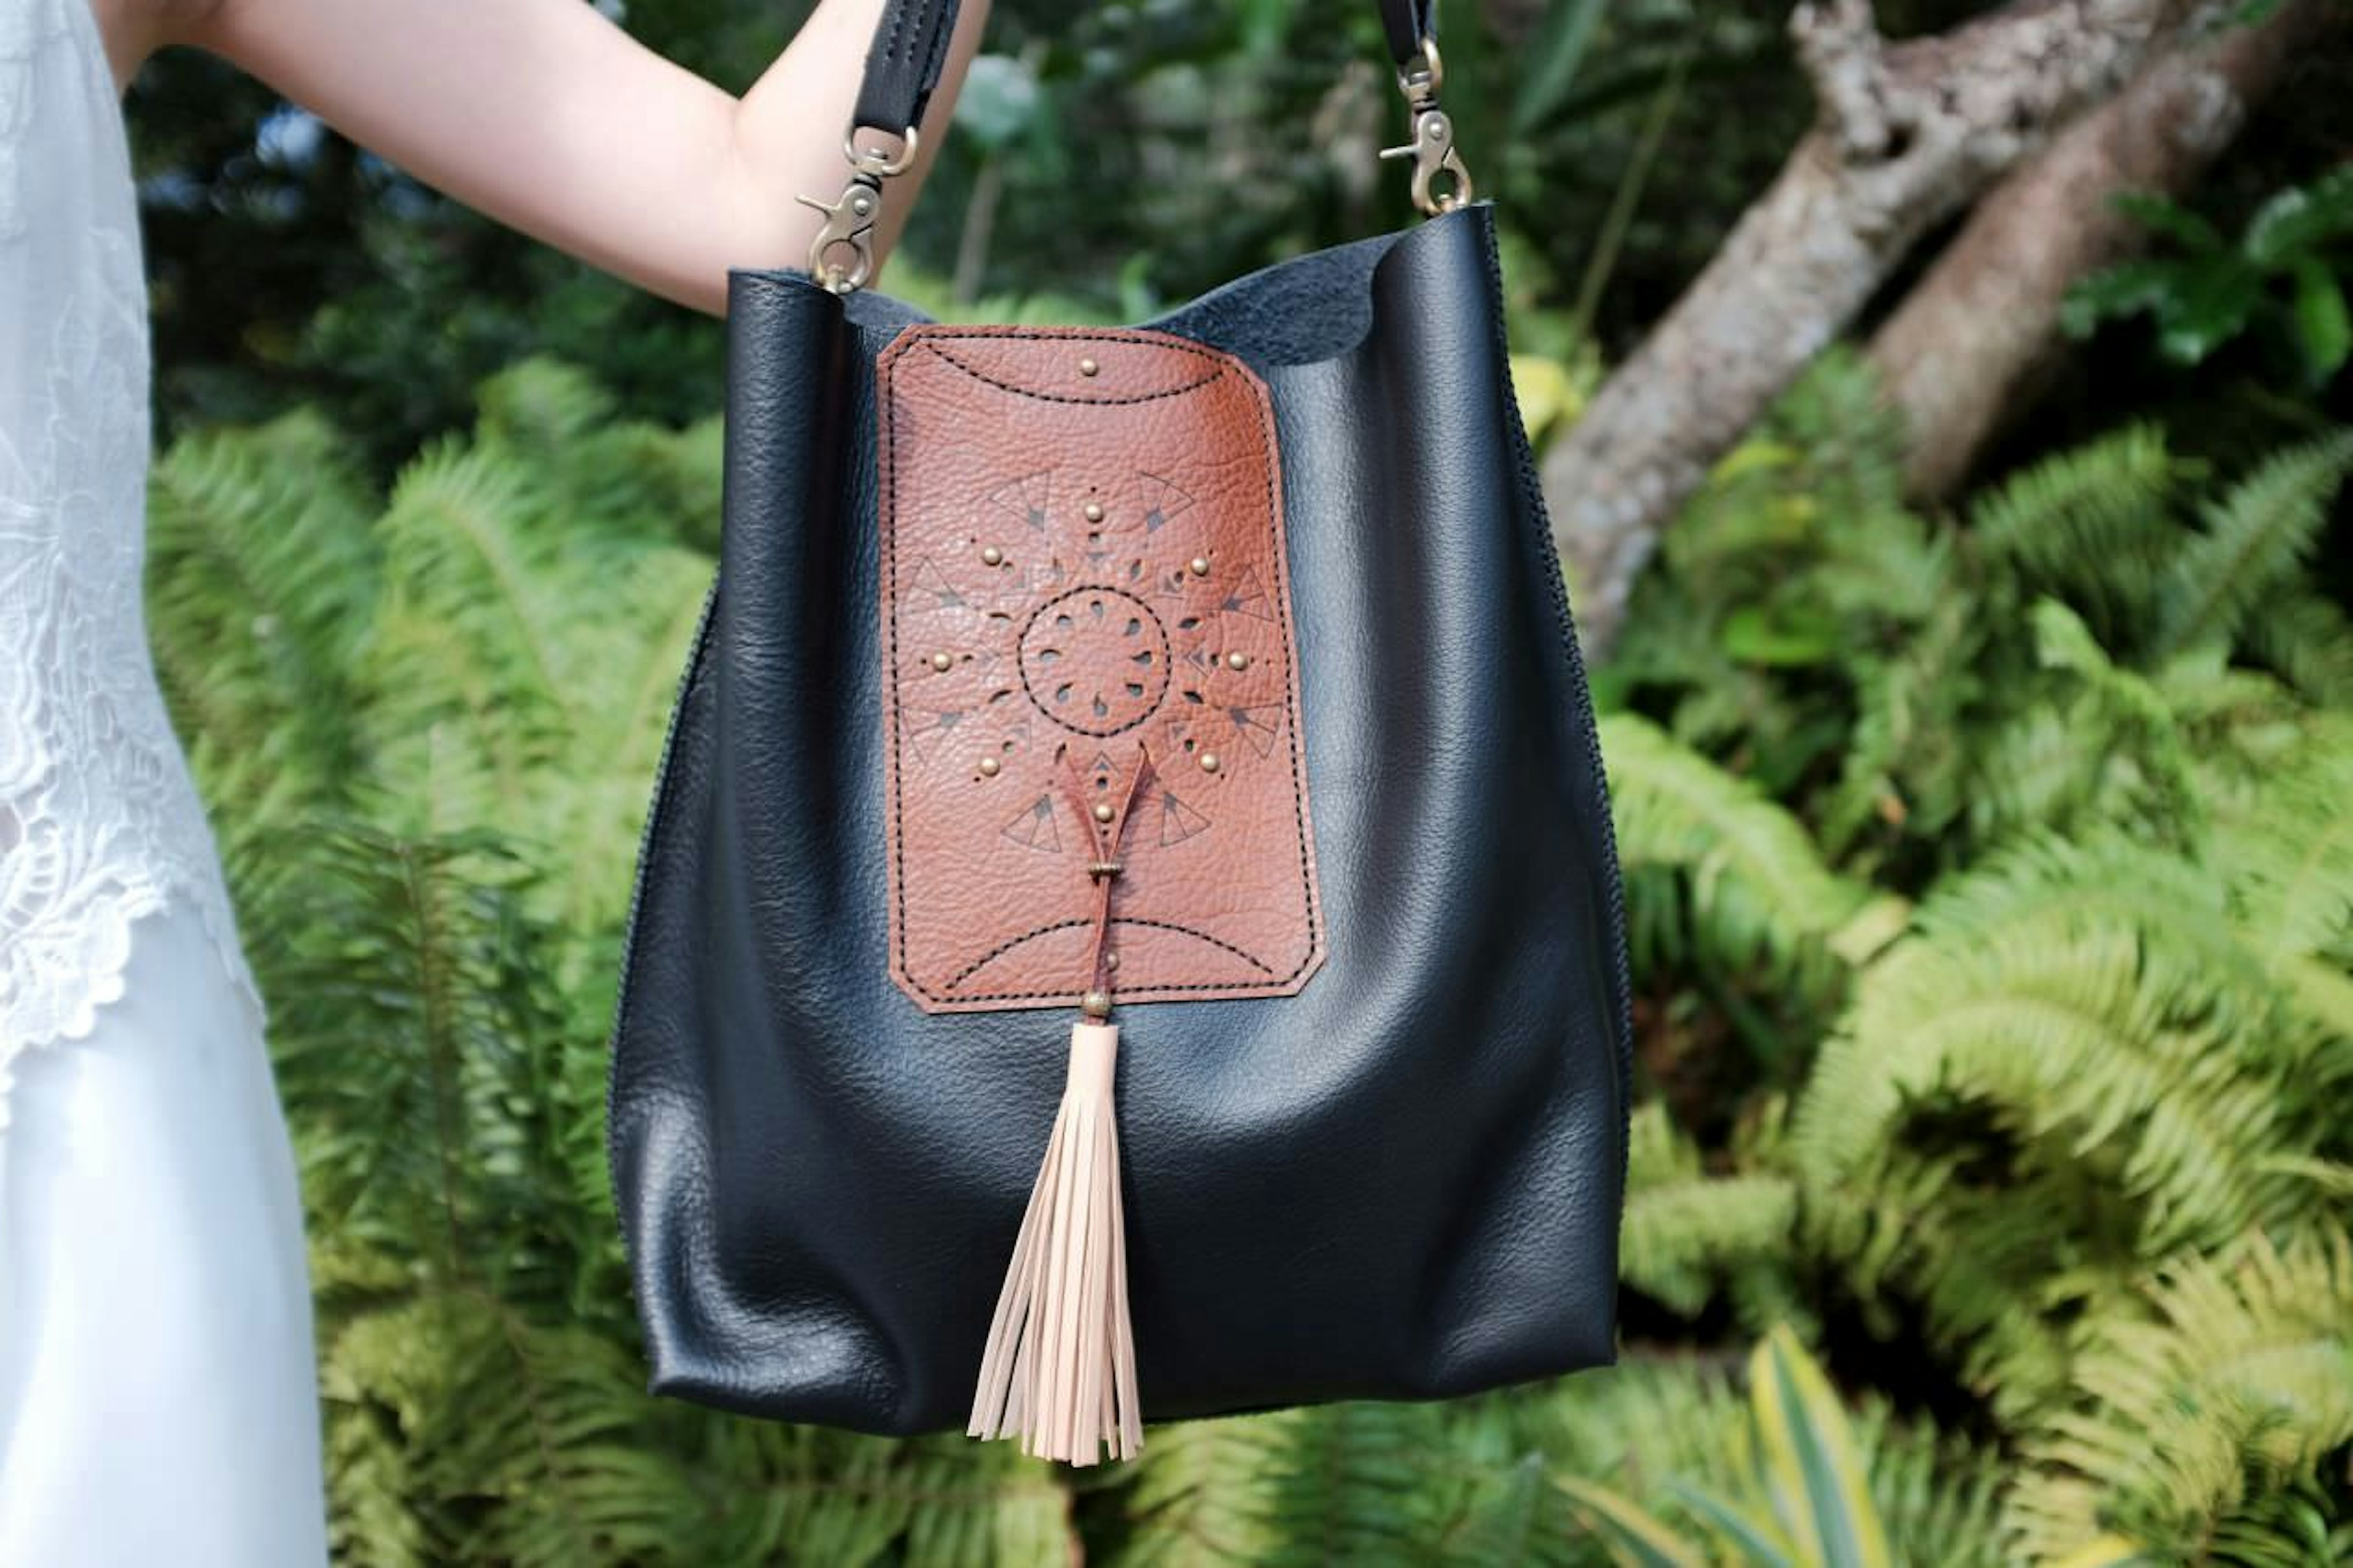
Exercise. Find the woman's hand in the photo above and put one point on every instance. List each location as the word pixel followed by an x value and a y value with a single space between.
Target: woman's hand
pixel 547 117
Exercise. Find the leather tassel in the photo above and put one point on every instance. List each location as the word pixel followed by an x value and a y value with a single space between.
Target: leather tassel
pixel 1060 1368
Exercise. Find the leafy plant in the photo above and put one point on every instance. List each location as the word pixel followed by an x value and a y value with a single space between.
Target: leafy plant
pixel 2283 275
pixel 1805 1499
pixel 2088 1029
pixel 2207 1418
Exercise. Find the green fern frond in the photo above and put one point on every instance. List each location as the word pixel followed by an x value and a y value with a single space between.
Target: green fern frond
pixel 2205 1413
pixel 2097 1034
pixel 1760 894
pixel 409 997
pixel 2075 1060
pixel 601 478
pixel 555 1473
pixel 1684 1231
pixel 1341 1483
pixel 803 1494
pixel 474 624
pixel 2307 639
pixel 372 1484
pixel 2093 525
pixel 1515 1516
pixel 1364 1483
pixel 532 644
pixel 542 411
pixel 1910 761
pixel 261 588
pixel 1963 1268
pixel 1650 1419
pixel 2288 847
pixel 1851 437
pixel 1208 1495
pixel 2104 745
pixel 2255 539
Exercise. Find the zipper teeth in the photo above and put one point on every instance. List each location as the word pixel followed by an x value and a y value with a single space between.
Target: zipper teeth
pixel 652 830
pixel 1532 492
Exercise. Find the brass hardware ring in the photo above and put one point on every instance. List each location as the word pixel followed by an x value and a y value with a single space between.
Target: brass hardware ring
pixel 873 159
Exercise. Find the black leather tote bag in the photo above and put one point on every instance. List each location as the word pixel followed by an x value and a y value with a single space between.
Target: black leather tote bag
pixel 1202 695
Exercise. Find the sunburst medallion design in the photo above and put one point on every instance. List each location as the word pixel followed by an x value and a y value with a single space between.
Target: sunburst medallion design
pixel 1085 605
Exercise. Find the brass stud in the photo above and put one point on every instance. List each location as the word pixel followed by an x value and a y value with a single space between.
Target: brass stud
pixel 1111 962
pixel 1094 511
pixel 1103 811
pixel 1209 762
pixel 992 556
pixel 1088 367
pixel 1096 1005
pixel 1199 566
pixel 1237 661
pixel 943 662
pixel 990 767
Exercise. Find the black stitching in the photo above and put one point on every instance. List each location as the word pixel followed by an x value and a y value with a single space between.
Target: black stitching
pixel 1166 654
pixel 1282 555
pixel 985 960
pixel 887 592
pixel 1061 397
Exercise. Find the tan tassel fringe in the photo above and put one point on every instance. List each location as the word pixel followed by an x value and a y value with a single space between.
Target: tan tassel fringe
pixel 1060 1369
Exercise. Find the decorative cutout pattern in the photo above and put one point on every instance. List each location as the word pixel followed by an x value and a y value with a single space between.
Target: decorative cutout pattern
pixel 1106 553
pixel 1095 661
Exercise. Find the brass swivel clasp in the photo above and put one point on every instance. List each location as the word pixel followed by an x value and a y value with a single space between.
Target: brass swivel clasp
pixel 1435 156
pixel 841 257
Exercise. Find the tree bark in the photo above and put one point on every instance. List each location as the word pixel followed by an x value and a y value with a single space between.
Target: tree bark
pixel 1907 134
pixel 1974 333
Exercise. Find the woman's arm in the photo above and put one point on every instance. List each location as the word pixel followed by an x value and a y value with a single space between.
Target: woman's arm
pixel 547 117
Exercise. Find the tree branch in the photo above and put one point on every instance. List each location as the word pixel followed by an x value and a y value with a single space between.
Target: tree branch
pixel 1984 322
pixel 1907 133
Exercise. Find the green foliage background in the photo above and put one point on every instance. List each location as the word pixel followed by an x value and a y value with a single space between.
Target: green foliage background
pixel 1989 871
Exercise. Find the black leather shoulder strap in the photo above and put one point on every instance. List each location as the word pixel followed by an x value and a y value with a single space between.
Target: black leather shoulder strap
pixel 910 45
pixel 1407 23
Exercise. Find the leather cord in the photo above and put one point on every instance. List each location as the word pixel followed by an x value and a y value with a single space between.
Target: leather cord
pixel 1103 839
pixel 911 48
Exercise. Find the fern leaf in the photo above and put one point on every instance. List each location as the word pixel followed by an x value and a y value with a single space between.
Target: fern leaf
pixel 2255 539
pixel 262 583
pixel 1684 1230
pixel 2203 1411
pixel 2093 525
pixel 2307 639
pixel 1760 893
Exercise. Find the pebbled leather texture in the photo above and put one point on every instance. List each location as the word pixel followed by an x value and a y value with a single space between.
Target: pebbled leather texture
pixel 1403 1182
pixel 1082 538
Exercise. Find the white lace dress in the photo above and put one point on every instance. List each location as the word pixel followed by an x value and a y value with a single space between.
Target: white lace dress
pixel 157 1399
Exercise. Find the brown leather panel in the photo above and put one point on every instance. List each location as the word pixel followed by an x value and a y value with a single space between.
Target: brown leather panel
pixel 1063 633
